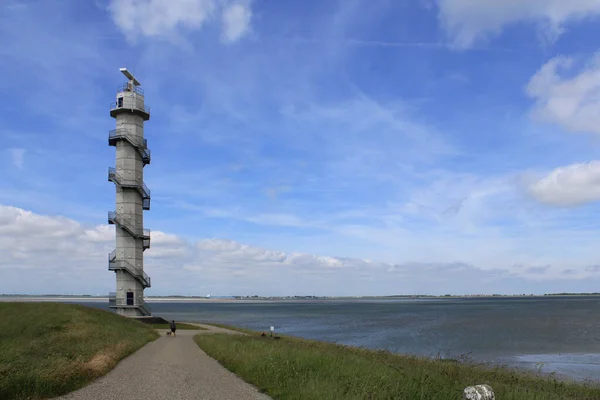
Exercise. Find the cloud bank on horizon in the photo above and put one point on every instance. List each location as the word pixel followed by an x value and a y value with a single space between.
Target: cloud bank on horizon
pixel 327 148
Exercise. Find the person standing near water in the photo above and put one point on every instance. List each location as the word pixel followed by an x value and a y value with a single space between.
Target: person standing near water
pixel 173 328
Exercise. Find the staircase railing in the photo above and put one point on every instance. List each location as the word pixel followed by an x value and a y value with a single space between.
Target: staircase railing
pixel 145 309
pixel 117 219
pixel 127 87
pixel 130 103
pixel 136 183
pixel 138 273
pixel 141 145
pixel 138 302
pixel 112 299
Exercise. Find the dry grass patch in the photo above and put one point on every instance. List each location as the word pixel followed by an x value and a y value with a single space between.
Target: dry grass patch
pixel 100 362
pixel 105 360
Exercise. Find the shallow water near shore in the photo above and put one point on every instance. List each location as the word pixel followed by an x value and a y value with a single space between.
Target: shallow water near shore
pixel 558 335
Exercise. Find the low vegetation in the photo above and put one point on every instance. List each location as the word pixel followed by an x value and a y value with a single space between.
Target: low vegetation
pixel 292 368
pixel 233 328
pixel 49 349
pixel 179 325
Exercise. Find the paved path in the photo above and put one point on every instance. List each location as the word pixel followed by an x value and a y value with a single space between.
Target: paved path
pixel 170 369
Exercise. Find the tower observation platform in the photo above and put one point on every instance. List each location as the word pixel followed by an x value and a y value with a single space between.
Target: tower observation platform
pixel 132 198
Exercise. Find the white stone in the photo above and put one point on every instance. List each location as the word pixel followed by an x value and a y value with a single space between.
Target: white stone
pixel 479 392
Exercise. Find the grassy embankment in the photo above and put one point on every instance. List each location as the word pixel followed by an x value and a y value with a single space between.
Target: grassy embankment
pixel 179 325
pixel 293 368
pixel 234 328
pixel 49 349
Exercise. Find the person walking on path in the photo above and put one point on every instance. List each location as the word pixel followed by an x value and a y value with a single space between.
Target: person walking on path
pixel 173 328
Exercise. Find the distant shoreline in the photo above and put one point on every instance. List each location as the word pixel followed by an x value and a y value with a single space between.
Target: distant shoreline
pixel 105 299
pixel 7 298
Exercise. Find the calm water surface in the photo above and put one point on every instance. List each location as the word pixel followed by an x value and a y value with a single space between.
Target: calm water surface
pixel 559 335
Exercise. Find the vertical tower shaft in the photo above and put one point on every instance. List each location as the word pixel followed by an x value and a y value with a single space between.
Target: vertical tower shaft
pixel 132 198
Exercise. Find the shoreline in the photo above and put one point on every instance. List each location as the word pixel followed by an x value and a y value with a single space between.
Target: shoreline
pixel 148 300
pixel 27 298
pixel 575 367
pixel 247 358
pixel 567 365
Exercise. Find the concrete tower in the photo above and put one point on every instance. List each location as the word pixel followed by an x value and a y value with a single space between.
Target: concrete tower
pixel 133 197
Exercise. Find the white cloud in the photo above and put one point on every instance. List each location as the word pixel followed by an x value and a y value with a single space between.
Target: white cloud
pixel 438 217
pixel 236 21
pixel 64 256
pixel 568 186
pixel 467 21
pixel 231 251
pixel 167 18
pixel 572 102
pixel 159 17
pixel 99 234
pixel 28 240
pixel 18 157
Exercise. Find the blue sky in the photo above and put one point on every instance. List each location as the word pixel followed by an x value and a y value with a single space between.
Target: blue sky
pixel 340 147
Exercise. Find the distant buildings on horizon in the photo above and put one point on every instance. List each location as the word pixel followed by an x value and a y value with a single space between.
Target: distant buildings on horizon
pixel 256 297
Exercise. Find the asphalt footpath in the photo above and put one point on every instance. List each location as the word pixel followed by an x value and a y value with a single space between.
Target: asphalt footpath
pixel 170 369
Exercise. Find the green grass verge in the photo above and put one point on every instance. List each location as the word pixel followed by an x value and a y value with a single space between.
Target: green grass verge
pixel 233 328
pixel 49 349
pixel 180 325
pixel 292 368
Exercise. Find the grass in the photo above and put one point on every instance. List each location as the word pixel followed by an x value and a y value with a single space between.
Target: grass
pixel 234 328
pixel 180 325
pixel 50 349
pixel 293 368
